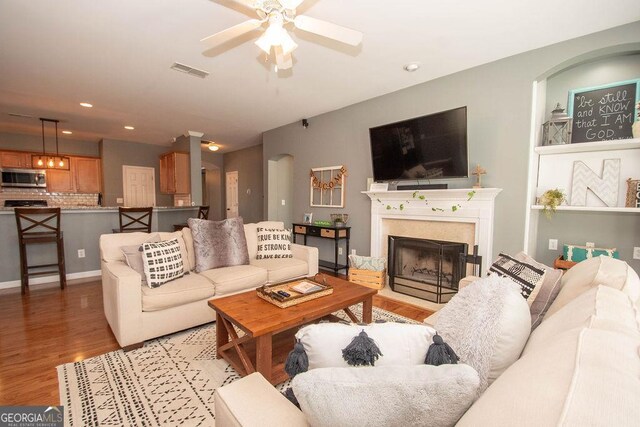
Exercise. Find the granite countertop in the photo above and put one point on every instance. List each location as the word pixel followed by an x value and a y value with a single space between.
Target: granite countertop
pixel 88 209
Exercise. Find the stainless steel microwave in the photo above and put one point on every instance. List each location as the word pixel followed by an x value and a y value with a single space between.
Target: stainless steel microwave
pixel 23 178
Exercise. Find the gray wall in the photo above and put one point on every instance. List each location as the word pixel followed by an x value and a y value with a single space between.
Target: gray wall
pixel 248 163
pixel 13 141
pixel 116 154
pixel 609 230
pixel 498 97
pixel 607 70
pixel 214 165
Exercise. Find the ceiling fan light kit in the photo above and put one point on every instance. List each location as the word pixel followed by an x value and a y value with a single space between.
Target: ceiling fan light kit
pixel 277 14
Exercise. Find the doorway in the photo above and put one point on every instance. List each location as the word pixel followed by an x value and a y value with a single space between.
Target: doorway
pixel 280 188
pixel 231 187
pixel 139 186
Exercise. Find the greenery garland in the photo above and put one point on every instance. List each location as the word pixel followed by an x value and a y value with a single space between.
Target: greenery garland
pixel 422 198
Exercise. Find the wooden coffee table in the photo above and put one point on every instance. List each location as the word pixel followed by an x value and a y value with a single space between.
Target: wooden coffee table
pixel 269 330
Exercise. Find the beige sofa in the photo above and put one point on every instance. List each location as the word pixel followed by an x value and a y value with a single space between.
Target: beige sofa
pixel 137 312
pixel 580 367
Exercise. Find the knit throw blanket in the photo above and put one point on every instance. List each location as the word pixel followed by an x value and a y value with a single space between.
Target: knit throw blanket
pixel 469 323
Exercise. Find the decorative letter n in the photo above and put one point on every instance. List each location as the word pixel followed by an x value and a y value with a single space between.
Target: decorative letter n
pixel 605 188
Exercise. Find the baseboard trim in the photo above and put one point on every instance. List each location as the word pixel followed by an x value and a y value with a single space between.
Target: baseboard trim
pixel 50 279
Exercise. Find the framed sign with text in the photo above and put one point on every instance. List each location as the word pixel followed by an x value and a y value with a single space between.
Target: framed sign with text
pixel 605 112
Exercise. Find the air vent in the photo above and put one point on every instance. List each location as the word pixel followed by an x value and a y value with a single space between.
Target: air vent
pixel 24 116
pixel 189 70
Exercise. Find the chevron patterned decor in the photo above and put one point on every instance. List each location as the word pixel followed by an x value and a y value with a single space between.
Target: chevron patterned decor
pixel 168 382
pixel 605 187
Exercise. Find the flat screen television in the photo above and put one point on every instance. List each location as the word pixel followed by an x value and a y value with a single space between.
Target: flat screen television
pixel 428 147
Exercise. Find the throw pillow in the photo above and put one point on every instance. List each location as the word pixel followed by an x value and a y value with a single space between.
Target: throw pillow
pixel 274 243
pixel 529 277
pixel 133 257
pixel 218 243
pixel 399 343
pixel 548 292
pixel 162 262
pixel 387 396
pixel 487 324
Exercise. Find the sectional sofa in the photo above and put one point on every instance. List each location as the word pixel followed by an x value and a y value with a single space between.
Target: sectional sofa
pixel 580 366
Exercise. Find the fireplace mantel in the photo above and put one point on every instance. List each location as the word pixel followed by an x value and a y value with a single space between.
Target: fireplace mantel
pixel 436 206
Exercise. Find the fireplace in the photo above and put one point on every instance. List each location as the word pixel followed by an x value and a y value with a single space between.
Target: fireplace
pixel 426 269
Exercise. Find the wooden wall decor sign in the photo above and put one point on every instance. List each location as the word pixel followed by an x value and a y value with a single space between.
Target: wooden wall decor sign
pixel 633 193
pixel 605 187
pixel 603 112
pixel 326 186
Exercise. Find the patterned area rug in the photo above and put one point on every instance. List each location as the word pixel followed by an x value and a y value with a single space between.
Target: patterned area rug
pixel 170 381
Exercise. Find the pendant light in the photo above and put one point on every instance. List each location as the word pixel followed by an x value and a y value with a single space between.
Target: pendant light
pixel 51 161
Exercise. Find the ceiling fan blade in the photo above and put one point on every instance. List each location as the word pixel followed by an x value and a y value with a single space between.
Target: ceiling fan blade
pixel 284 62
pixel 327 29
pixel 290 4
pixel 231 33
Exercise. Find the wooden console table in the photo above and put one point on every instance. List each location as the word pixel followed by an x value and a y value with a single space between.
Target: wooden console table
pixel 326 232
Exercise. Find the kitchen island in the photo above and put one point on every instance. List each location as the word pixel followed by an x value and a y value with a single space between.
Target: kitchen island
pixel 82 227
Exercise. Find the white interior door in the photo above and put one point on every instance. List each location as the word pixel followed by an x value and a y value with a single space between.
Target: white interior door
pixel 139 186
pixel 232 194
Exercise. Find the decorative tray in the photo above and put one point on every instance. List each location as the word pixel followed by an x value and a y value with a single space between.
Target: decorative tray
pixel 269 292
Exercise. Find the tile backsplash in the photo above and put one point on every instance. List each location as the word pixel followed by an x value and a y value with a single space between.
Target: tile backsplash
pixel 53 199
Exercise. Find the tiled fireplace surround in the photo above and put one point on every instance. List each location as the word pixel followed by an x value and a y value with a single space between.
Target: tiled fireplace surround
pixel 434 218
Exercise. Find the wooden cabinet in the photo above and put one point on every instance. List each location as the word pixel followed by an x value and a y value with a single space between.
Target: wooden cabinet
pixel 60 181
pixel 87 174
pixel 15 159
pixel 84 176
pixel 174 173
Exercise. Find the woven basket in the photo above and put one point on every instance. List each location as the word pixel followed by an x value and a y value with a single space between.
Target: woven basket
pixel 266 293
pixel 368 278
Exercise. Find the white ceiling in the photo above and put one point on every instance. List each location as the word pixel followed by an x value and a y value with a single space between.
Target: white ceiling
pixel 116 54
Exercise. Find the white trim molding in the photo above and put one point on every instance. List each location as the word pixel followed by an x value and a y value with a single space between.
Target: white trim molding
pixel 436 206
pixel 51 279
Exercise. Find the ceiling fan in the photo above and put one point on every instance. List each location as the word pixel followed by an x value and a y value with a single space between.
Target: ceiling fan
pixel 277 14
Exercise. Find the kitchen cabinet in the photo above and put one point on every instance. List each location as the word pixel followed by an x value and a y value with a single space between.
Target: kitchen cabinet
pixel 174 173
pixel 87 174
pixel 15 159
pixel 84 176
pixel 60 181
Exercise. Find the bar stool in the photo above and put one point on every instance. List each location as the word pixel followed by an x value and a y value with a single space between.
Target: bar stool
pixel 134 219
pixel 38 226
pixel 203 213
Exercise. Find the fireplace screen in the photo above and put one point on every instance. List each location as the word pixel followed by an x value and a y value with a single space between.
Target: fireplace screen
pixel 427 269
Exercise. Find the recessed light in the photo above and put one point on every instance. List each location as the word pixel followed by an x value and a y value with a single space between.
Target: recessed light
pixel 86 105
pixel 129 127
pixel 412 66
pixel 67 132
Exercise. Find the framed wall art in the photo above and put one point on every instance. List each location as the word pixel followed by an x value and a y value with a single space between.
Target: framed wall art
pixel 327 186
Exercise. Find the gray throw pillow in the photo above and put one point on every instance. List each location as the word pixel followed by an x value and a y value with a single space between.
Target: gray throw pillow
pixel 549 289
pixel 218 243
pixel 133 256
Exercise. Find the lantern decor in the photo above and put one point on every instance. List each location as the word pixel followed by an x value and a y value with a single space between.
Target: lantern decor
pixel 557 130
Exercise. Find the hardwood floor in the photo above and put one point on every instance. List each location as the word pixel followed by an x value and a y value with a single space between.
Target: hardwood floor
pixel 50 327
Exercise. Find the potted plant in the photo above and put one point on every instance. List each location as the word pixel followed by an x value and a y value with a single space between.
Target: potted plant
pixel 550 200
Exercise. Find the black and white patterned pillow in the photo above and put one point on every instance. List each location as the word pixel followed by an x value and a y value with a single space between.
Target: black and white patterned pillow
pixel 274 243
pixel 528 276
pixel 162 262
